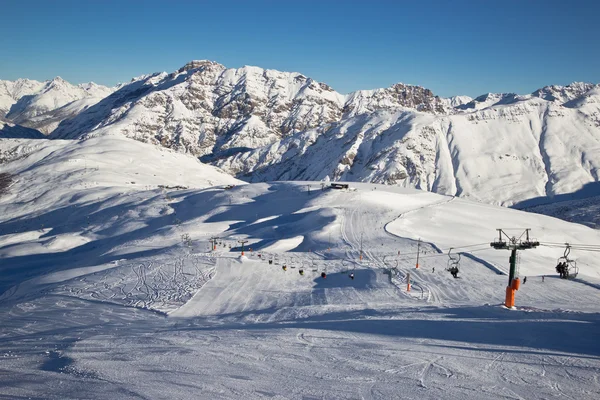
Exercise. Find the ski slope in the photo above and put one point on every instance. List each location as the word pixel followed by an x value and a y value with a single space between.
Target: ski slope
pixel 120 294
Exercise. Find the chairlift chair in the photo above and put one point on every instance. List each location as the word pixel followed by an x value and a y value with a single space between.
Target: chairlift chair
pixel 453 265
pixel 567 267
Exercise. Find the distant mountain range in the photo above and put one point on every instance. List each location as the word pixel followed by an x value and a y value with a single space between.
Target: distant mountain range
pixel 259 124
pixel 43 105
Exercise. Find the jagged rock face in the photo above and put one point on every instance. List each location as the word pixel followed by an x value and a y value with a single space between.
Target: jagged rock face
pixel 398 96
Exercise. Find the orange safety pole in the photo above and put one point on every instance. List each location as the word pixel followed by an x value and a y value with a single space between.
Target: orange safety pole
pixel 408 282
pixel 418 252
pixel 509 302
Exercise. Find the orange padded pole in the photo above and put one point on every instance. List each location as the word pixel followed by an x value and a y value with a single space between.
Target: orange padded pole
pixel 510 297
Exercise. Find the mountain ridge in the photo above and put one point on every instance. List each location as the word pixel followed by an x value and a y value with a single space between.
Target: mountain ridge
pixel 261 124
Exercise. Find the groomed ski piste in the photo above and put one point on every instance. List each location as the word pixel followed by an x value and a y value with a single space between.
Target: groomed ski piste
pixel 110 287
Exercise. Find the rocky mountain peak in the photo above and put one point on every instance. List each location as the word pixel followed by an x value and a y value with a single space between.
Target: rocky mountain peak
pixel 397 96
pixel 195 64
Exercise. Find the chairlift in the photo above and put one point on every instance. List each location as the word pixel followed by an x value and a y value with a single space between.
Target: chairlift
pixel 566 267
pixel 453 265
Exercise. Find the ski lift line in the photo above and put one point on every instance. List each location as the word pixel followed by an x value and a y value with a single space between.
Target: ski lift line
pixel 555 246
pixel 597 246
pixel 441 254
pixel 572 247
pixel 572 244
pixel 445 252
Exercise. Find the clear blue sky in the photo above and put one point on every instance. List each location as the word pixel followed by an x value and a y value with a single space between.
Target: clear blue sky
pixel 451 47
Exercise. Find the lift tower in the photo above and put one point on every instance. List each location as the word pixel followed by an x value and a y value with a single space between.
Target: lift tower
pixel 513 244
pixel 242 242
pixel 213 240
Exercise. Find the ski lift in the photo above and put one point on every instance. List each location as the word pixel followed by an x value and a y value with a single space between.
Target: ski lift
pixel 565 266
pixel 453 265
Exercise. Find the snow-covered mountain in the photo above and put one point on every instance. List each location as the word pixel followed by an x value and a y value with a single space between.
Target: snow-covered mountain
pixel 204 108
pixel 12 91
pixel 259 124
pixel 207 109
pixel 43 105
pixel 502 153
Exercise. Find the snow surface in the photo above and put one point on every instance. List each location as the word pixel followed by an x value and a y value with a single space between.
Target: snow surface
pixel 109 287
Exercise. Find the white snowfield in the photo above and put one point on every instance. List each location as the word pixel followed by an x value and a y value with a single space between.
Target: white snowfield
pixel 110 287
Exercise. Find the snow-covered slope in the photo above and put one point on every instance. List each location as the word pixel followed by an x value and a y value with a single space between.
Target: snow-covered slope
pixel 14 131
pixel 584 211
pixel 112 288
pixel 43 105
pixel 55 174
